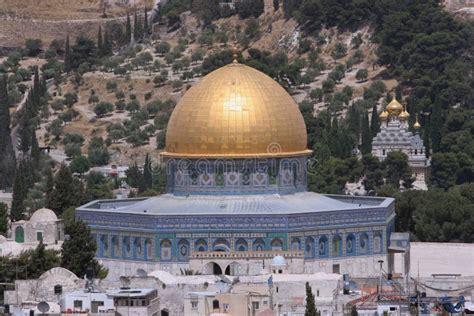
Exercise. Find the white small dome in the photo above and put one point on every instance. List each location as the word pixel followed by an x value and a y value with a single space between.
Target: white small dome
pixel 278 261
pixel 43 215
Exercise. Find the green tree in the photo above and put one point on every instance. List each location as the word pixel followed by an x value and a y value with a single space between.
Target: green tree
pixel 339 51
pixel 366 135
pixel 397 169
pixel 362 74
pixel 33 47
pixel 147 173
pixel 128 30
pixel 310 309
pixel 66 192
pixel 354 311
pixel 41 260
pixel 3 218
pixel 7 154
pixel 78 251
pixel 137 28
pixel 80 164
pixel 100 43
pixel 98 154
pixel 67 56
pixel 436 125
pixel 375 121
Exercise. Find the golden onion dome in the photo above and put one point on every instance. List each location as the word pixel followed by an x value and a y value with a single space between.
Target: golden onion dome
pixel 236 111
pixel 404 115
pixel 384 115
pixel 394 107
pixel 417 124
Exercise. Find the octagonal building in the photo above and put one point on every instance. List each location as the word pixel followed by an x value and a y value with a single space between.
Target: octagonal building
pixel 236 166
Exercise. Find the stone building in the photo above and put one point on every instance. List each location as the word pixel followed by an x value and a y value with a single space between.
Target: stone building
pixel 395 135
pixel 43 225
pixel 236 164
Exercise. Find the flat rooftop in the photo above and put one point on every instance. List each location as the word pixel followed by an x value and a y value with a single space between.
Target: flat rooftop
pixel 302 202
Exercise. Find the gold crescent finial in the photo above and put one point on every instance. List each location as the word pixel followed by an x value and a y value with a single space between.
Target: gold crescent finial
pixel 235 52
pixel 417 124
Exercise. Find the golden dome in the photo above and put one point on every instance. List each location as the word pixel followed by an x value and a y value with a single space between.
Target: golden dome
pixel 236 111
pixel 404 115
pixel 394 107
pixel 384 115
pixel 417 124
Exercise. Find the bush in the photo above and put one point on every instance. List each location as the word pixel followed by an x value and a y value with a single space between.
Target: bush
pixel 328 85
pixel 72 150
pixel 362 74
pixel 120 105
pixel 70 99
pixel 33 47
pixel 133 106
pixel 80 164
pixel 98 154
pixel 111 85
pixel 162 48
pixel 339 51
pixel 73 139
pixel 103 108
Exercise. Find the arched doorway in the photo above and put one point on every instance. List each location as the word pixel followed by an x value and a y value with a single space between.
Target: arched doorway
pixel 212 268
pixel 19 234
pixel 164 312
pixel 232 269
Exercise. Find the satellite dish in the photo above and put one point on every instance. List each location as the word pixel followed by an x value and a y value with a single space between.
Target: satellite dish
pixel 43 307
pixel 141 273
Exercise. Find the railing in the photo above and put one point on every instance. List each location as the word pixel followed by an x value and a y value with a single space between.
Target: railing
pixel 246 254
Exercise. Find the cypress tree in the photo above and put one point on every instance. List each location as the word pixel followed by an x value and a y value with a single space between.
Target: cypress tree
pixel 67 56
pixel 375 121
pixel 366 135
pixel 147 173
pixel 64 194
pixel 310 306
pixel 3 218
pixel 100 45
pixel 107 45
pixel 137 28
pixel 49 187
pixel 78 252
pixel 35 150
pixel 128 30
pixel 426 140
pixel 21 183
pixel 436 125
pixel 24 131
pixel 146 27
pixel 7 154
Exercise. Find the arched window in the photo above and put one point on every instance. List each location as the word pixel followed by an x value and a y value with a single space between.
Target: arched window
pixel 323 246
pixel 126 247
pixel 115 247
pixel 148 248
pixel 241 245
pixel 350 245
pixel 295 244
pixel 259 245
pixel 383 152
pixel 19 234
pixel 377 242
pixel 165 247
pixel 336 246
pixel 363 243
pixel 215 304
pixel 276 244
pixel 183 250
pixel 104 245
pixel 137 244
pixel 200 245
pixel 309 247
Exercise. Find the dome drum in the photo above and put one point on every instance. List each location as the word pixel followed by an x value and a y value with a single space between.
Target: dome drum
pixel 236 176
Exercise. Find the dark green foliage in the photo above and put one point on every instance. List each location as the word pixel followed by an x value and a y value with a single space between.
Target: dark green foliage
pixel 22 182
pixel 147 173
pixel 436 215
pixel 276 5
pixel 7 155
pixel 248 8
pixel 3 218
pixel 366 135
pixel 374 121
pixel 80 164
pixel 98 154
pixel 78 251
pixel 67 191
pixel 33 47
pixel 436 125
pixel 100 39
pixel 98 186
pixel 128 30
pixel 84 51
pixel 310 309
pixel 67 56
pixel 397 169
pixel 137 28
pixel 354 311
